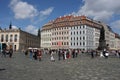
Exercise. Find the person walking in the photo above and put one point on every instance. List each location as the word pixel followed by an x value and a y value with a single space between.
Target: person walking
pixel 92 54
pixel 63 54
pixel 35 55
pixel 73 53
pixel 52 58
pixel 31 54
pixel 26 53
pixel 10 52
pixel 119 53
pixel 3 53
pixel 39 55
pixel 68 54
pixel 76 53
pixel 59 55
pixel 105 53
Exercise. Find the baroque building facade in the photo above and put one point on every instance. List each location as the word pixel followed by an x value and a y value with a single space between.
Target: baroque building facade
pixel 71 32
pixel 18 39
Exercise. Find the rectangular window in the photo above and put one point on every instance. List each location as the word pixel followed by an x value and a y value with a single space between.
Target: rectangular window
pixel 74 44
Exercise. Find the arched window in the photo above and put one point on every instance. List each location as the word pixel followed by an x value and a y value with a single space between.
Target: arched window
pixel 15 38
pixel 2 38
pixel 11 36
pixel 7 38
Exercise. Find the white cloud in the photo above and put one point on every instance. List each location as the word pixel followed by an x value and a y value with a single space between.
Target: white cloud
pixel 14 27
pixel 24 10
pixel 31 29
pixel 99 9
pixel 47 11
pixel 43 15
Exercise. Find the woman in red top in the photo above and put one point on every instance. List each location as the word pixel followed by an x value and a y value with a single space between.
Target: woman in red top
pixel 39 55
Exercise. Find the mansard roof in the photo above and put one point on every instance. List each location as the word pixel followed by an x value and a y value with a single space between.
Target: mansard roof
pixel 71 20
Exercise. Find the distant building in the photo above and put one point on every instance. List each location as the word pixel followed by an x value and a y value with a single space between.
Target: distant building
pixel 109 36
pixel 18 39
pixel 117 41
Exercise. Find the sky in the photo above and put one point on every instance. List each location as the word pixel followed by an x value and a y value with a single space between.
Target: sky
pixel 31 15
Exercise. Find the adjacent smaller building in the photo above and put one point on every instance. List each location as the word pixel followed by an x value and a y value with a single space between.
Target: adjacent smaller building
pixel 117 41
pixel 18 39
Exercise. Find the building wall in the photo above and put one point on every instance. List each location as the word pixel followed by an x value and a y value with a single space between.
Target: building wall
pixel 78 32
pixel 96 37
pixel 78 37
pixel 109 36
pixel 84 37
pixel 18 39
pixel 60 37
pixel 46 38
pixel 28 40
pixel 111 40
pixel 117 43
pixel 10 37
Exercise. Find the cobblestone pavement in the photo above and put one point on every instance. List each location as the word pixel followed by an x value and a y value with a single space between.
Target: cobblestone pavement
pixel 81 68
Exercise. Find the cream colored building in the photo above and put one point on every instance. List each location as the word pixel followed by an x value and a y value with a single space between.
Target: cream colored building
pixel 46 36
pixel 75 32
pixel 117 41
pixel 18 39
pixel 109 36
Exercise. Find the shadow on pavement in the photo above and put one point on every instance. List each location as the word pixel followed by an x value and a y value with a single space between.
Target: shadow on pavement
pixel 2 69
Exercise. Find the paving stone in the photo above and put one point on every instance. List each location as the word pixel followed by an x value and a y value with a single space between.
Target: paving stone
pixel 81 68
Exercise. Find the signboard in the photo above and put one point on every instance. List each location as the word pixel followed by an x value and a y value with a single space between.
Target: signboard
pixel 59 43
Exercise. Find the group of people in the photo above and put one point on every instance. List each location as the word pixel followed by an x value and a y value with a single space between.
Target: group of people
pixel 63 54
pixel 6 52
pixel 105 53
pixel 34 54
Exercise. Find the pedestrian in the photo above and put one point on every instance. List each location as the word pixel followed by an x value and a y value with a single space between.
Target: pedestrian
pixel 63 54
pixel 10 52
pixel 73 53
pixel 35 54
pixel 52 57
pixel 119 53
pixel 76 53
pixel 31 54
pixel 39 55
pixel 104 53
pixel 59 54
pixel 92 53
pixel 68 54
pixel 26 53
pixel 4 52
pixel 101 54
